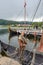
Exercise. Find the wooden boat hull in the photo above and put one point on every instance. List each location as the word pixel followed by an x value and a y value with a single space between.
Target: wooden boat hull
pixel 13 33
pixel 12 52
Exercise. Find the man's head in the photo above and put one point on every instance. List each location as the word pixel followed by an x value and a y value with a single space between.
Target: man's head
pixel 22 33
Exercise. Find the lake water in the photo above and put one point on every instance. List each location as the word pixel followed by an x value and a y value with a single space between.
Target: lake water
pixel 14 41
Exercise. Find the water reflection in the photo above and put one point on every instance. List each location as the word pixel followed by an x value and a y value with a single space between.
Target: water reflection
pixel 14 41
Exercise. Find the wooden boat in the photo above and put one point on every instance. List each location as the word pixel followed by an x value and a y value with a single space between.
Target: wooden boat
pixel 12 52
pixel 29 57
pixel 13 33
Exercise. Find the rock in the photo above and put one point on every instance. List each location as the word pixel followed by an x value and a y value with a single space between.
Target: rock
pixel 8 61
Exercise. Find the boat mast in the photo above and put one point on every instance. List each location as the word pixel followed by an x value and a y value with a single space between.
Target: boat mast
pixel 25 11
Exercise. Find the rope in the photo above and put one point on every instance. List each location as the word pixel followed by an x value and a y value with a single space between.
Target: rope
pixel 18 15
pixel 36 10
pixel 33 59
pixel 34 52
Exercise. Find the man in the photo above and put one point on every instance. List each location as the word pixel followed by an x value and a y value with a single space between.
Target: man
pixel 22 44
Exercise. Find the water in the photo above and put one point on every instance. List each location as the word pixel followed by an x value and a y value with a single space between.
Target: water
pixel 14 41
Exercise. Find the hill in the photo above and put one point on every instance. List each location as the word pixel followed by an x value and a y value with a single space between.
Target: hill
pixel 7 22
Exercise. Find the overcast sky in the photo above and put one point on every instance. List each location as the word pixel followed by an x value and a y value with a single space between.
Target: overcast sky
pixel 10 9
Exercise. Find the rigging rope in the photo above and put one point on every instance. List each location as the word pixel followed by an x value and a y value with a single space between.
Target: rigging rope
pixel 33 59
pixel 18 14
pixel 36 10
pixel 34 13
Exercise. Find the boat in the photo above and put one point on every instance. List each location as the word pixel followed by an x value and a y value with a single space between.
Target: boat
pixel 29 57
pixel 12 52
pixel 28 35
